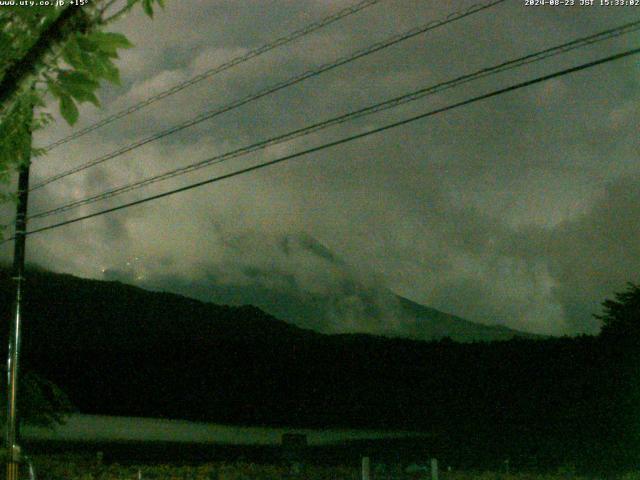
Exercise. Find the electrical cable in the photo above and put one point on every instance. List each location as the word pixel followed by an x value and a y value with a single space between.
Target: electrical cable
pixel 312 27
pixel 378 107
pixel 395 39
pixel 341 141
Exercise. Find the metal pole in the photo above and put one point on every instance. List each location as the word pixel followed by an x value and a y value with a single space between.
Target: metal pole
pixel 366 468
pixel 434 469
pixel 12 427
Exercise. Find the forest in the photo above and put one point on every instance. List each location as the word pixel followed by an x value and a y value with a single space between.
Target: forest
pixel 119 350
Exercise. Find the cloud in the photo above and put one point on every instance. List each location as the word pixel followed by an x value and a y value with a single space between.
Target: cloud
pixel 498 211
pixel 593 255
pixel 292 276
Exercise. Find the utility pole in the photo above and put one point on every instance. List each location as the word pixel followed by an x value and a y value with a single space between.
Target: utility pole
pixel 12 426
pixel 15 80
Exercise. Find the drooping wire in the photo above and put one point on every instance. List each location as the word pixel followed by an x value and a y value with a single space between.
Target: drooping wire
pixel 306 30
pixel 395 39
pixel 369 110
pixel 341 141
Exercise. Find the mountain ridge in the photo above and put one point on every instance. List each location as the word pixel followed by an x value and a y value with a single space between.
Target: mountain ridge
pixel 407 319
pixel 117 349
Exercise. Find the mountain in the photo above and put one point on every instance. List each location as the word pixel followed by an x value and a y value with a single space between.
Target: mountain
pixel 151 353
pixel 120 350
pixel 363 310
pixel 297 279
pixel 432 324
pixel 396 317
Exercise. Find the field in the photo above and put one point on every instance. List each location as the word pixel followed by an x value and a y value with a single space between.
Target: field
pixel 80 468
pixel 76 467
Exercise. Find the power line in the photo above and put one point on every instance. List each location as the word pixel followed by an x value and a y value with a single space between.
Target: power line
pixel 342 140
pixel 412 96
pixel 395 39
pixel 312 27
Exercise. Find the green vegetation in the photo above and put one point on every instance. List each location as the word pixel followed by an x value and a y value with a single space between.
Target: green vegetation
pixel 42 402
pixel 50 53
pixel 621 317
pixel 539 402
pixel 82 468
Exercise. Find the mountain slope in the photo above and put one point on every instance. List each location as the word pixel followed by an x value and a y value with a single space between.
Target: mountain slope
pixel 121 350
pixel 375 311
pixel 365 310
pixel 299 280
pixel 433 324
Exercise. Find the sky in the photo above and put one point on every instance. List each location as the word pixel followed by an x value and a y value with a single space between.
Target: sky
pixel 518 210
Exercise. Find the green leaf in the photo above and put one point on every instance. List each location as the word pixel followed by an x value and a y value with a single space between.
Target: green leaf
pixel 38 152
pixel 111 73
pixel 86 97
pixel 110 41
pixel 72 54
pixel 77 83
pixel 54 88
pixel 34 97
pixel 86 62
pixel 147 6
pixel 99 65
pixel 87 44
pixel 68 109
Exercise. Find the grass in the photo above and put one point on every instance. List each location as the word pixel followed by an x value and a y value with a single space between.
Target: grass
pixel 78 467
pixel 82 468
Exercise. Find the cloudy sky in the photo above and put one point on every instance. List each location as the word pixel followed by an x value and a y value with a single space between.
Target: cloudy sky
pixel 519 210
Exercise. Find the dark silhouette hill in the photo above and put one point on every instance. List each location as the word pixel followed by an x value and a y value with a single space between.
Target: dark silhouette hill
pixel 306 284
pixel 120 350
pixel 432 324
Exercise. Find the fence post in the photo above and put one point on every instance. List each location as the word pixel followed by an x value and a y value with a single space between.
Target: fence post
pixel 434 469
pixel 366 468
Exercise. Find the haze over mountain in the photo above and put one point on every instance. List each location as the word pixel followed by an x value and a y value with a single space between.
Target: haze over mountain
pixel 297 279
pixel 116 349
pixel 115 336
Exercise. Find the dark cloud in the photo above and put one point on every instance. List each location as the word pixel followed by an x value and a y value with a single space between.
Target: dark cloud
pixel 592 255
pixel 304 282
pixel 516 210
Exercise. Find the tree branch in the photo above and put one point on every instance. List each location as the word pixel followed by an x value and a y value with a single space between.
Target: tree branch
pixel 71 20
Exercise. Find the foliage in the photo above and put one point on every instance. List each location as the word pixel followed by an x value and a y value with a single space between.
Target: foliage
pixel 554 400
pixel 41 401
pixel 70 467
pixel 566 400
pixel 15 136
pixel 60 53
pixel 621 317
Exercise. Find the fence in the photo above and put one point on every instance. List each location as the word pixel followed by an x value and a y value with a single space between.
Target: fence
pixel 83 467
